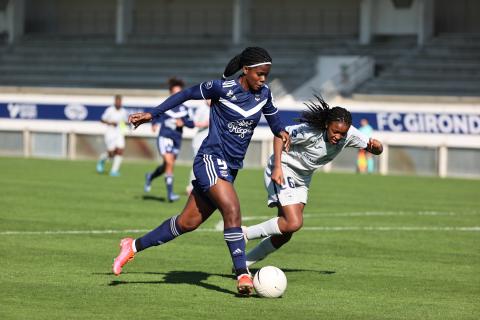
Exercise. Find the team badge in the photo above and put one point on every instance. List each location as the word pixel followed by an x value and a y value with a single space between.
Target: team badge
pixel 209 85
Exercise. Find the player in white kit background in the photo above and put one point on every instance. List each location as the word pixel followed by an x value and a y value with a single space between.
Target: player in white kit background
pixel 115 117
pixel 322 134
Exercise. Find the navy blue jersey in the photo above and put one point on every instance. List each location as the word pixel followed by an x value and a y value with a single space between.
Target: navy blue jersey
pixel 168 122
pixel 234 115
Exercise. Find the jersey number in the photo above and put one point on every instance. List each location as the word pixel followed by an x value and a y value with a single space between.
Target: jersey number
pixel 290 182
pixel 222 165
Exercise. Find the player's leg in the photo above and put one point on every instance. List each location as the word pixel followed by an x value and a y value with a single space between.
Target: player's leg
pixel 169 177
pixel 289 220
pixel 108 154
pixel 225 197
pixel 117 162
pixel 196 211
pixel 118 155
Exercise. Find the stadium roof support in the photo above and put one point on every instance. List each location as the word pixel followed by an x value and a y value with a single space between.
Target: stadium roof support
pixel 422 18
pixel 15 14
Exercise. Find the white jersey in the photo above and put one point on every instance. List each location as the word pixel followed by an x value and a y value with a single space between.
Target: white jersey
pixel 118 116
pixel 311 150
pixel 202 114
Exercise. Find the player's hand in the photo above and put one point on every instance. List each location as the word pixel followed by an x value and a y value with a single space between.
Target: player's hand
pixel 285 139
pixel 139 118
pixel 277 176
pixel 374 146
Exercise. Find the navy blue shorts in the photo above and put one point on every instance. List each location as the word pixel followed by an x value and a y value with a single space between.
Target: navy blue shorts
pixel 208 169
pixel 168 145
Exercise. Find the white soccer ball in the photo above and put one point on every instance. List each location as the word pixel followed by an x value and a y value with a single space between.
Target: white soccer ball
pixel 270 282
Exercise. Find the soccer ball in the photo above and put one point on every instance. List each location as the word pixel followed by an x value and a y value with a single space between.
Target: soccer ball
pixel 270 282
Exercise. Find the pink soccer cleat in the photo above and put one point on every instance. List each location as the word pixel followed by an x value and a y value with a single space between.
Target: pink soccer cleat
pixel 245 284
pixel 126 254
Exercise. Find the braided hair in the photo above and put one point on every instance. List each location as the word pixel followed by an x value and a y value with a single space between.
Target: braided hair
pixel 249 56
pixel 319 114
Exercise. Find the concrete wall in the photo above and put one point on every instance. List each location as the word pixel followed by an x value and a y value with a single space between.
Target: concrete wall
pixel 3 22
pixel 87 17
pixel 388 20
pixel 304 17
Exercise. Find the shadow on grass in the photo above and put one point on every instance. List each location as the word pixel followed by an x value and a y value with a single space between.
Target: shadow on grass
pixel 148 197
pixel 178 277
pixel 195 278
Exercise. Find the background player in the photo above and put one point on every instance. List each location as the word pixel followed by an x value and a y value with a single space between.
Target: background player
pixel 115 118
pixel 201 118
pixel 321 136
pixel 237 106
pixel 169 140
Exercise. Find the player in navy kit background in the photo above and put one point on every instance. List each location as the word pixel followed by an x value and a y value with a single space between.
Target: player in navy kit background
pixel 169 140
pixel 236 108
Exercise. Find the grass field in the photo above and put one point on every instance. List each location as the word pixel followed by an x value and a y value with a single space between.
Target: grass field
pixel 372 247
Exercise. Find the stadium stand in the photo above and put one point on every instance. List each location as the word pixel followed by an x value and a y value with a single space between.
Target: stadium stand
pixel 448 65
pixel 96 62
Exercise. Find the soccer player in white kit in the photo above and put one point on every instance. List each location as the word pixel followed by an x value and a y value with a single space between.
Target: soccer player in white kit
pixel 115 117
pixel 322 134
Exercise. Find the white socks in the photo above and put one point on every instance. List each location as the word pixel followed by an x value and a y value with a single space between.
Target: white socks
pixel 103 156
pixel 264 229
pixel 262 250
pixel 117 161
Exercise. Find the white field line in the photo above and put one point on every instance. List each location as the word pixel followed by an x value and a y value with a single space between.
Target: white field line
pixel 130 231
pixel 318 215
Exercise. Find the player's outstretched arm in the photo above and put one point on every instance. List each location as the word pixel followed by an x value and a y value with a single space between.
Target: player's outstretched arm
pixel 374 146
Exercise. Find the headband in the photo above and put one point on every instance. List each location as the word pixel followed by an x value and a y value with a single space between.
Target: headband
pixel 258 64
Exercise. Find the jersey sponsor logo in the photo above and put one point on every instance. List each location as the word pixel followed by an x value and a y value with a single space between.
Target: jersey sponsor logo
pixel 76 111
pixel 241 127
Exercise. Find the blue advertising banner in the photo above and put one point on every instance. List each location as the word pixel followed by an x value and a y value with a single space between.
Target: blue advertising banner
pixel 413 122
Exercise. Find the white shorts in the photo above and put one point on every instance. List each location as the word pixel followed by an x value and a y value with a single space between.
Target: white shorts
pixel 114 140
pixel 294 190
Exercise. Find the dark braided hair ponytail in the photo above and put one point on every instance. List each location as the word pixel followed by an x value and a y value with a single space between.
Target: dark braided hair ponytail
pixel 319 114
pixel 249 56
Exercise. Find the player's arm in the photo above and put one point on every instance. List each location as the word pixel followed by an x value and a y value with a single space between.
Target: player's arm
pixel 275 123
pixel 198 92
pixel 277 172
pixel 374 146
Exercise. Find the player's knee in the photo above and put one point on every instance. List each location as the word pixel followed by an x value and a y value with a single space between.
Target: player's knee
pixel 231 215
pixel 189 225
pixel 294 225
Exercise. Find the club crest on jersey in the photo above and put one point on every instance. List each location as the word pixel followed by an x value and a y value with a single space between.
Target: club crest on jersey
pixel 230 93
pixel 209 85
pixel 257 97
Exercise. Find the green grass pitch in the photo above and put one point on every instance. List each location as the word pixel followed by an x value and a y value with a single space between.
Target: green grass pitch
pixel 372 247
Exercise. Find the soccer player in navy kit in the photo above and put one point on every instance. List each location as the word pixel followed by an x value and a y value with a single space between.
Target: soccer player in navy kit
pixel 169 140
pixel 236 108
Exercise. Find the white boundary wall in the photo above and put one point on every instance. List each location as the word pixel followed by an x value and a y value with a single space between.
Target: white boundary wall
pixel 70 128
